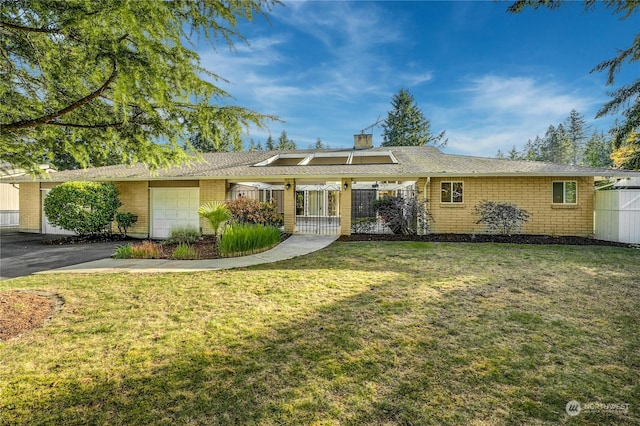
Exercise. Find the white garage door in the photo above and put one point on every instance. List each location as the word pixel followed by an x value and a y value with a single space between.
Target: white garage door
pixel 173 207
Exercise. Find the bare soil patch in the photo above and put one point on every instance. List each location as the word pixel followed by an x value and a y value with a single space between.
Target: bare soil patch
pixel 21 311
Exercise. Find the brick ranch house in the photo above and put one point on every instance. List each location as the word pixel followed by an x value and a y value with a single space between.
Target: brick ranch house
pixel 330 191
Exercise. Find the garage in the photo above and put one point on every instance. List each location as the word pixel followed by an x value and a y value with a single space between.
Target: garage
pixel 173 207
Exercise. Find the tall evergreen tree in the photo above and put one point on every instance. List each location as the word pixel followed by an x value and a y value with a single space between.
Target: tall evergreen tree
pixel 597 151
pixel 532 148
pixel 119 74
pixel 513 154
pixel 556 145
pixel 270 145
pixel 284 143
pixel 406 125
pixel 319 144
pixel 219 140
pixel 576 128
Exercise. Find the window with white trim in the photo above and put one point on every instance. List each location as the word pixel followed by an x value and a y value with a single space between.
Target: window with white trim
pixel 565 192
pixel 451 192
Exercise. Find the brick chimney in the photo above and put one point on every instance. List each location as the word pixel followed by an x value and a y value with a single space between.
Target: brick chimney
pixel 363 141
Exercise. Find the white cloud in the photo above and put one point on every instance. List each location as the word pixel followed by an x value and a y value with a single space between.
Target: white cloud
pixel 522 96
pixel 494 112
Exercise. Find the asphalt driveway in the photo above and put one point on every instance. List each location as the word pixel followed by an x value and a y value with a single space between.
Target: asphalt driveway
pixel 23 253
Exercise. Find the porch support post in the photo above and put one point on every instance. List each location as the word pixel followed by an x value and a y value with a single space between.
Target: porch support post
pixel 211 190
pixel 345 207
pixel 290 206
pixel 422 186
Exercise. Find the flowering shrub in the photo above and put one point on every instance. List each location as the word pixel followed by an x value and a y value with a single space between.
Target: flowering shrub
pixel 247 210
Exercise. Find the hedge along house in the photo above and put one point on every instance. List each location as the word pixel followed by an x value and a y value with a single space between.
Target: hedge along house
pixel 331 191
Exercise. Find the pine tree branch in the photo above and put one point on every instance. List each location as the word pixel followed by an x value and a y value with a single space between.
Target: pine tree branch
pixel 47 119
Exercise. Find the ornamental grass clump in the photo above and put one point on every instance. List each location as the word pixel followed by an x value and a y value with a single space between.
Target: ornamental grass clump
pixel 185 252
pixel 146 250
pixel 183 235
pixel 242 240
pixel 122 252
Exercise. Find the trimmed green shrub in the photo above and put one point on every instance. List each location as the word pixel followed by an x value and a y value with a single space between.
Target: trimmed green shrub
pixel 248 210
pixel 185 252
pixel 216 212
pixel 502 218
pixel 244 239
pixel 82 207
pixel 125 221
pixel 183 235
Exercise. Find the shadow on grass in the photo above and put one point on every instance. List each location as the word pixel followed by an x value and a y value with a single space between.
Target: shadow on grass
pixel 393 353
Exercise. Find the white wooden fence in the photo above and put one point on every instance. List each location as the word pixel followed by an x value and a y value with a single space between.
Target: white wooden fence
pixel 617 215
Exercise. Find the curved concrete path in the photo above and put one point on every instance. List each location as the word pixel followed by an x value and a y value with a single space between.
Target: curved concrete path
pixel 294 246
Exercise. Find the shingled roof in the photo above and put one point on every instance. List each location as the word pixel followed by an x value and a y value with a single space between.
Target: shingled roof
pixel 411 162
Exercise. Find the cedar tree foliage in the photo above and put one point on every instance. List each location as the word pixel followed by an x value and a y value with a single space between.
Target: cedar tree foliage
pixel 121 76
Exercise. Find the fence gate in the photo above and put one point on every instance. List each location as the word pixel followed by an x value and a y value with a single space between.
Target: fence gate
pixel 317 210
pixel 617 215
pixel 364 217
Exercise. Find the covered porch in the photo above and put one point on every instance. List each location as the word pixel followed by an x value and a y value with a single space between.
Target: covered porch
pixel 326 207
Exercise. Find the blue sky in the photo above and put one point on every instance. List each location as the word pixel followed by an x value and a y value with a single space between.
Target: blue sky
pixel 491 79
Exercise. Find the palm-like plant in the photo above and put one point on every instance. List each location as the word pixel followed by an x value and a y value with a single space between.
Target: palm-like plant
pixel 216 212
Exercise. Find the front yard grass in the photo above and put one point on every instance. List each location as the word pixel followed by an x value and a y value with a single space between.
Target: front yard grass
pixel 358 333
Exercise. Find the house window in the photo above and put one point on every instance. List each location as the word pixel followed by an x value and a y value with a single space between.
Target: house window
pixel 565 192
pixel 451 192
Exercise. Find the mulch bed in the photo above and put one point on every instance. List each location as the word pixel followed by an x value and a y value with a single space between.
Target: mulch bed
pixel 207 246
pixel 87 239
pixel 485 238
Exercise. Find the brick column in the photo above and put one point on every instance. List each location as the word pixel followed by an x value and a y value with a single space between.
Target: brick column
pixel 211 190
pixel 345 207
pixel 289 207
pixel 422 186
pixel 30 207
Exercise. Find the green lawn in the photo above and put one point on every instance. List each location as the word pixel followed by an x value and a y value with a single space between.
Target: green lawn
pixel 358 333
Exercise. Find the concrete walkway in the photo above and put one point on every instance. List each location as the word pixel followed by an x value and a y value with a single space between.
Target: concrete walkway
pixel 294 246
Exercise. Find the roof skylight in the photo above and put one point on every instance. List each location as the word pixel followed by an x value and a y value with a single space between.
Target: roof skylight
pixel 332 158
